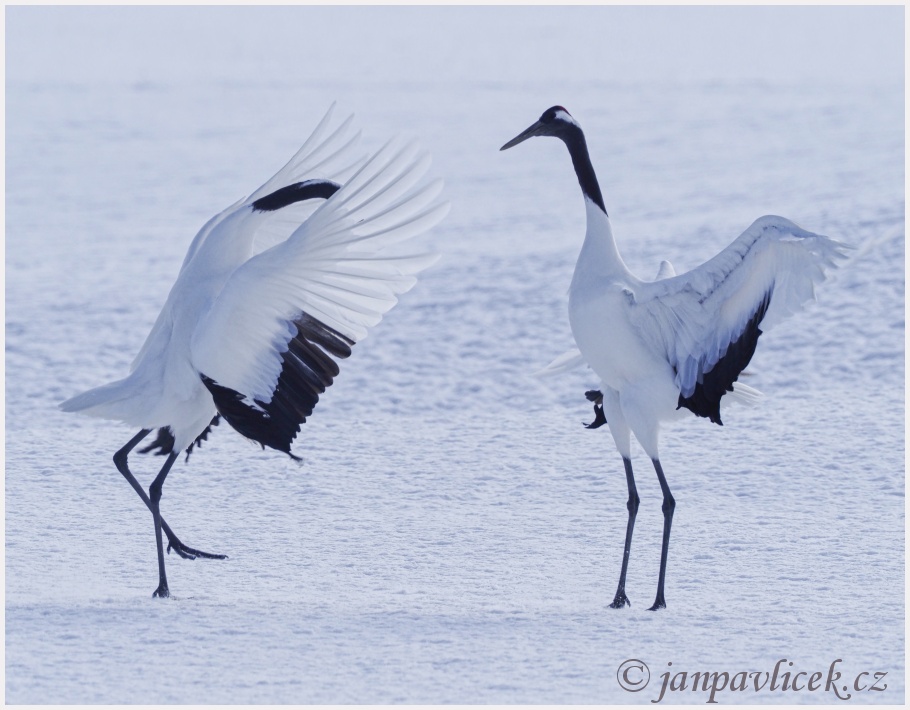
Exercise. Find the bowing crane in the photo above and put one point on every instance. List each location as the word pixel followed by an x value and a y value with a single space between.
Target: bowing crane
pixel 678 342
pixel 251 335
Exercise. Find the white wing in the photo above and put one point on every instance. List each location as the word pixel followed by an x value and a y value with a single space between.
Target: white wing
pixel 331 280
pixel 328 155
pixel 695 317
pixel 323 155
pixel 665 270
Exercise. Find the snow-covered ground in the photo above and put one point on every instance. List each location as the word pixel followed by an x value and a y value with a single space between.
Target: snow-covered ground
pixel 454 534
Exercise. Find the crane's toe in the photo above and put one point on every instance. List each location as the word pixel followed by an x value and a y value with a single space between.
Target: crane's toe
pixel 620 600
pixel 658 604
pixel 600 418
pixel 162 591
pixel 189 553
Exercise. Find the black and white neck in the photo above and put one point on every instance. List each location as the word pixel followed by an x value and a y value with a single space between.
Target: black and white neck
pixel 558 122
pixel 574 138
pixel 599 256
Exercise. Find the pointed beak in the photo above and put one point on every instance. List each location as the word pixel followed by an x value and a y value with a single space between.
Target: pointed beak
pixel 530 132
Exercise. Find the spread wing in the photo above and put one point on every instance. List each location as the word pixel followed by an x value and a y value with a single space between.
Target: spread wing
pixel 326 156
pixel 267 347
pixel 708 320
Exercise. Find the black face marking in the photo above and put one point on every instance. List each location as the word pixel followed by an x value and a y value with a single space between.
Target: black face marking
pixel 164 442
pixel 705 400
pixel 306 190
pixel 306 372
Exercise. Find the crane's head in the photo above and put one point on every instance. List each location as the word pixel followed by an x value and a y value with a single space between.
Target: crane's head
pixel 555 121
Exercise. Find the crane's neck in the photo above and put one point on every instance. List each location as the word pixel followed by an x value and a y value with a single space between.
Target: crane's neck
pixel 581 161
pixel 599 262
pixel 599 256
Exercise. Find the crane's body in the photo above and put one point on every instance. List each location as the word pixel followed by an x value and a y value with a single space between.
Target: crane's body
pixel 681 341
pixel 270 294
pixel 164 389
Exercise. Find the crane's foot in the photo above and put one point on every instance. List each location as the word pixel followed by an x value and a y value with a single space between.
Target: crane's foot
pixel 189 553
pixel 659 603
pixel 620 600
pixel 600 418
pixel 162 591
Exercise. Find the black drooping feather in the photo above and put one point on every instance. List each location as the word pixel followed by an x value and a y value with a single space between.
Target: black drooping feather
pixel 306 371
pixel 714 384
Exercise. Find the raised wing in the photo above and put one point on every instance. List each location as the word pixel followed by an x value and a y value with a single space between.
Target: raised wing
pixel 324 154
pixel 265 349
pixel 708 320
pixel 327 155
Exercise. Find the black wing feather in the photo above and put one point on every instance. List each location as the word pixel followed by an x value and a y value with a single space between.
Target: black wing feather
pixel 306 372
pixel 298 192
pixel 714 384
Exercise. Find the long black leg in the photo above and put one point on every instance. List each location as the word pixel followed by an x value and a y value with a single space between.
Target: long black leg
pixel 621 600
pixel 120 461
pixel 668 507
pixel 155 498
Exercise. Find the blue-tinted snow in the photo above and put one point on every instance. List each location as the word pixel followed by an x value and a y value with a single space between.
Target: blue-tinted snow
pixel 454 534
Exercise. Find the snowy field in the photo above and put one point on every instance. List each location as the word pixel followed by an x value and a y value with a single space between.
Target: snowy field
pixel 454 535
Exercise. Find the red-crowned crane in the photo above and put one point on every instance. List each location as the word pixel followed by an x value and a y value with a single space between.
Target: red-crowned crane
pixel 677 342
pixel 252 336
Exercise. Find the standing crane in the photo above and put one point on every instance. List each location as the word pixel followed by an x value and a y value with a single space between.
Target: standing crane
pixel 679 342
pixel 251 335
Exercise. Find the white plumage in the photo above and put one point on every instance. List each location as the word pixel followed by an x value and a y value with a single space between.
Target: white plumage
pixel 694 317
pixel 680 341
pixel 249 333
